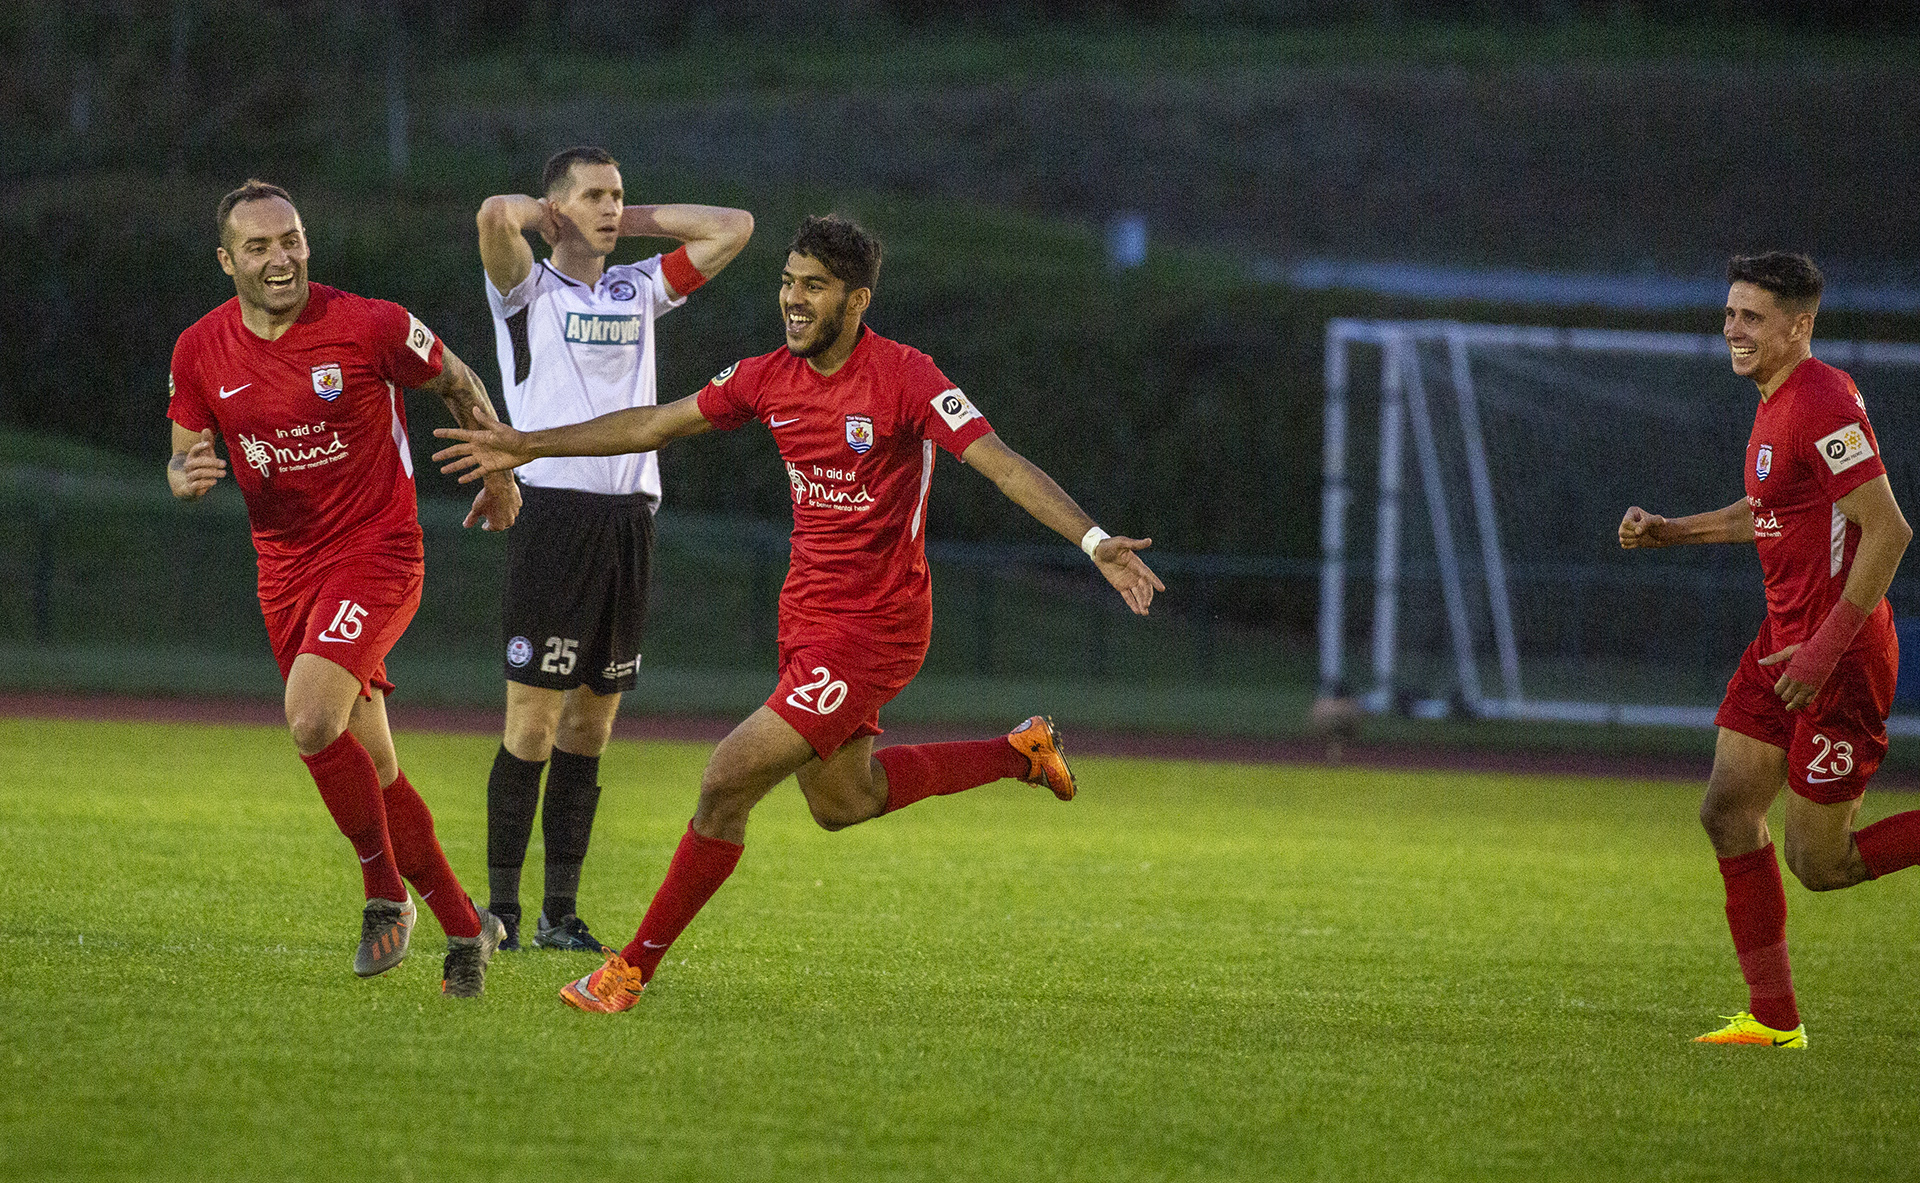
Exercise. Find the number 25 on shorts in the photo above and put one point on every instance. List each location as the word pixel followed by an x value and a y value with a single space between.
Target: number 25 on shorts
pixel 822 696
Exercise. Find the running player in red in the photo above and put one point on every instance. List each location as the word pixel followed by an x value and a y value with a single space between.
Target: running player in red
pixel 304 382
pixel 856 418
pixel 1808 705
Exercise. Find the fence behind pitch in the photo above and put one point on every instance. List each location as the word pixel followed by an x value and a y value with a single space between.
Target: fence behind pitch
pixel 116 576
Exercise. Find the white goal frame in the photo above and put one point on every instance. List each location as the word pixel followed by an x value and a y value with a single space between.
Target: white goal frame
pixel 1404 410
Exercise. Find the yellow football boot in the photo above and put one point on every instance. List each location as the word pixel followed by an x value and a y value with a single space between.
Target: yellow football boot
pixel 1744 1028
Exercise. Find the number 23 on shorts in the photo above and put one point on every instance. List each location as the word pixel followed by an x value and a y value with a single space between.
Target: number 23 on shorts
pixel 1831 761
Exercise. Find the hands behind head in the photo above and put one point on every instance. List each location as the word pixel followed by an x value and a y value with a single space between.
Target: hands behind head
pixel 553 224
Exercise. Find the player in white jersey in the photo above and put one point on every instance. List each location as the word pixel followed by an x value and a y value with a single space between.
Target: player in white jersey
pixel 576 340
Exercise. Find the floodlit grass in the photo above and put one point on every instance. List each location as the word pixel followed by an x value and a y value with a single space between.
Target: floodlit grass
pixel 1193 972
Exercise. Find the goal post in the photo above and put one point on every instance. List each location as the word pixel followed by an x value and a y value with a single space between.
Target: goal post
pixel 1493 463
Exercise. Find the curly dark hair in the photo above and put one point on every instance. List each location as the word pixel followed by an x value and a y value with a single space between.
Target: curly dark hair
pixel 1793 279
pixel 554 175
pixel 849 253
pixel 254 190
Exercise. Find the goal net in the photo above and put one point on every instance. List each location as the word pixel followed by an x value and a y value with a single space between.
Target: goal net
pixel 1490 466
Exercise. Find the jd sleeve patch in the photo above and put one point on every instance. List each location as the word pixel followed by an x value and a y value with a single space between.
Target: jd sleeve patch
pixel 954 408
pixel 1845 448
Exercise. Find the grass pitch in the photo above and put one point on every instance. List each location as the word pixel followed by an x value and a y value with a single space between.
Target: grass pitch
pixel 1192 972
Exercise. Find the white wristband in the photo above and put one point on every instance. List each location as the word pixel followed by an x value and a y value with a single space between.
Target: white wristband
pixel 1091 539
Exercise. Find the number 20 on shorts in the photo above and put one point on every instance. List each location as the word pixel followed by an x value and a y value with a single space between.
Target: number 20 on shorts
pixel 822 696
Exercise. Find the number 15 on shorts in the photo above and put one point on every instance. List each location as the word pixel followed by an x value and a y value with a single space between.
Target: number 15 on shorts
pixel 822 696
pixel 347 623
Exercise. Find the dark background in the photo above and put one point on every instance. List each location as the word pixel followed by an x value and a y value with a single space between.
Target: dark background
pixel 989 145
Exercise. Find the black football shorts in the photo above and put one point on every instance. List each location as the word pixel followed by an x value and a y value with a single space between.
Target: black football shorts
pixel 574 608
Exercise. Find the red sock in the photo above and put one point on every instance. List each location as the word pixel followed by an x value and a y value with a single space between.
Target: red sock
pixel 700 865
pixel 1890 844
pixel 351 788
pixel 1757 915
pixel 417 853
pixel 918 771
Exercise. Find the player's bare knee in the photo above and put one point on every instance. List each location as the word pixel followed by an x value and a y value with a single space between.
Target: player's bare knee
pixel 724 796
pixel 581 738
pixel 1727 822
pixel 528 740
pixel 313 730
pixel 830 823
pixel 839 813
pixel 1819 872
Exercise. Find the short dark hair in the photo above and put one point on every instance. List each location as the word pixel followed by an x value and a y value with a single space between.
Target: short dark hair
pixel 254 190
pixel 554 175
pixel 1793 279
pixel 850 254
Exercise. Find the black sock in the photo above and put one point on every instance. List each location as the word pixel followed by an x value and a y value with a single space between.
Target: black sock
pixel 513 795
pixel 573 796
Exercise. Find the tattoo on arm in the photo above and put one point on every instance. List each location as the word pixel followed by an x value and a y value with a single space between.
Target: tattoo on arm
pixel 464 392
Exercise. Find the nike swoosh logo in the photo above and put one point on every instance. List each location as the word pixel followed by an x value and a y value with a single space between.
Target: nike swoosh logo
pixel 1821 780
pixel 376 854
pixel 651 945
pixel 779 422
pixel 1783 1042
pixel 225 393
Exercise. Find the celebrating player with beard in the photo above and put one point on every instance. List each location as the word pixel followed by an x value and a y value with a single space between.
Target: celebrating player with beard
pixel 857 419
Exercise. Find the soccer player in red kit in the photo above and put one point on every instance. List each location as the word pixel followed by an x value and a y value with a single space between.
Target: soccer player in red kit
pixel 856 418
pixel 303 382
pixel 1808 705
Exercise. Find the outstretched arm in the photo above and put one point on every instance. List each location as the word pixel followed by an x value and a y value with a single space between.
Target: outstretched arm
pixel 713 234
pixel 1034 491
pixel 493 447
pixel 498 503
pixel 1640 530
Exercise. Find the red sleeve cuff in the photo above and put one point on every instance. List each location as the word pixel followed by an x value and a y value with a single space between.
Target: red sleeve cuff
pixel 680 271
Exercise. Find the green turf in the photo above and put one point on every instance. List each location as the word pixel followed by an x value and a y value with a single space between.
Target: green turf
pixel 1192 972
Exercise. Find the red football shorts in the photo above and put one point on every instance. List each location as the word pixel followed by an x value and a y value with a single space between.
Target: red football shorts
pixel 1835 742
pixel 351 613
pixel 832 688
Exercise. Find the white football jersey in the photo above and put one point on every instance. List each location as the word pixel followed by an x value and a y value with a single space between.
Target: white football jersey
pixel 569 352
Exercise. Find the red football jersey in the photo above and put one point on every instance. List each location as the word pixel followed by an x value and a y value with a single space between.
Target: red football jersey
pixel 315 426
pixel 1811 445
pixel 859 452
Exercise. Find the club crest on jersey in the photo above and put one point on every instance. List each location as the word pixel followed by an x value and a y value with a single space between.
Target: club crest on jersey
pixel 859 433
pixel 519 652
pixel 327 382
pixel 620 289
pixel 1763 463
